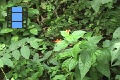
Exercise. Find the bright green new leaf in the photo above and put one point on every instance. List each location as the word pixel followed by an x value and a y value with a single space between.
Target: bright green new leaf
pixel 6 30
pixel 1 63
pixel 77 34
pixel 34 31
pixel 34 44
pixel 116 34
pixel 25 52
pixel 64 34
pixel 60 45
pixel 16 54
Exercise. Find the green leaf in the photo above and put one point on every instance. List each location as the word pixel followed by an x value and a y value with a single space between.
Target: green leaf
pixel 77 34
pixel 34 44
pixel 116 34
pixel 104 69
pixel 7 61
pixel 115 51
pixel 34 31
pixel 59 77
pixel 106 1
pixel 64 34
pixel 106 43
pixel 25 52
pixel 84 64
pixel 76 50
pixel 7 30
pixel 16 54
pixel 32 12
pixel 65 54
pixel 72 64
pixel 69 64
pixel 1 63
pixel 60 45
pixel 96 5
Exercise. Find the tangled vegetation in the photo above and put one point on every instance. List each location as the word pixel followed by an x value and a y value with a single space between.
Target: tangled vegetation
pixel 64 40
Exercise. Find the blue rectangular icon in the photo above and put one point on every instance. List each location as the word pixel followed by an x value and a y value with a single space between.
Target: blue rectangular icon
pixel 16 16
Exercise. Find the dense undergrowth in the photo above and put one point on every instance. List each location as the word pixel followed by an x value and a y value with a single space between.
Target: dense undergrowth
pixel 64 40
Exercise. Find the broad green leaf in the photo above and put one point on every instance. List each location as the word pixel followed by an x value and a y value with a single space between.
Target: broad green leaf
pixel 77 34
pixel 59 77
pixel 53 61
pixel 1 63
pixel 25 52
pixel 60 45
pixel 106 43
pixel 7 61
pixel 22 42
pixel 64 34
pixel 16 54
pixel 7 55
pixel 13 46
pixel 34 44
pixel 115 51
pixel 94 40
pixel 85 63
pixel 32 12
pixel 69 64
pixel 96 5
pixel 116 34
pixel 104 69
pixel 65 54
pixel 36 57
pixel 6 30
pixel 34 31
pixel 70 39
pixel 72 64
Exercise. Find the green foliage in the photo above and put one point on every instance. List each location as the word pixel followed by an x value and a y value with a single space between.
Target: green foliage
pixel 86 36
